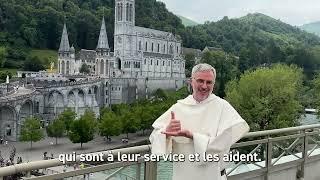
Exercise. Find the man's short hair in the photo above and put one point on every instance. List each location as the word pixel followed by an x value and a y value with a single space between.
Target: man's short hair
pixel 203 67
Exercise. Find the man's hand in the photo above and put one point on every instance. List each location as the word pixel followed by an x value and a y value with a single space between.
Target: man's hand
pixel 174 128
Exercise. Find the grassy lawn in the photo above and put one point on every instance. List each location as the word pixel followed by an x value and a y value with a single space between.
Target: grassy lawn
pixel 13 71
pixel 46 56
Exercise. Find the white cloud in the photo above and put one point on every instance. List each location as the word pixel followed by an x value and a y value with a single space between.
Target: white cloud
pixel 295 12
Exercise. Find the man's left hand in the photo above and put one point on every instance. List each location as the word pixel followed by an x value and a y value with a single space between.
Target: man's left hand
pixel 174 129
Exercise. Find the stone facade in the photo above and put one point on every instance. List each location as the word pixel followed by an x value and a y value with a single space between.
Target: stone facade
pixel 138 51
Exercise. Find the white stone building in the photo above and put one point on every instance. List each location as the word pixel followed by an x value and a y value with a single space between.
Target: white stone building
pixel 138 52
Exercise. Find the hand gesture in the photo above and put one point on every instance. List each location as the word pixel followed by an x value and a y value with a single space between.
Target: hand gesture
pixel 174 128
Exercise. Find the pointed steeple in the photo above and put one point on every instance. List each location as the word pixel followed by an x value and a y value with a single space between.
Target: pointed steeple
pixel 103 38
pixel 64 43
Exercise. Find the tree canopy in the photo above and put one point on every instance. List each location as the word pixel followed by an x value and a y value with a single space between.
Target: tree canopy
pixel 110 124
pixel 67 116
pixel 83 129
pixel 267 98
pixel 56 129
pixel 31 130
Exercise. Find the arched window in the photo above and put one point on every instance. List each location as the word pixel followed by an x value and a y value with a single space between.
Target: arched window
pixel 121 11
pixel 131 13
pixel 102 67
pixel 152 47
pixel 164 48
pixel 127 12
pixel 118 12
pixel 37 107
pixel 68 67
pixel 146 49
pixel 158 49
pixel 171 49
pixel 139 45
pixel 119 63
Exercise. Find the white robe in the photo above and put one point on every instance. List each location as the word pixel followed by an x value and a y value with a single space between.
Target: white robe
pixel 215 125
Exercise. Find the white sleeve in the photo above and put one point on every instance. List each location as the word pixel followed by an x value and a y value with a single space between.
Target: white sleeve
pixel 231 128
pixel 159 142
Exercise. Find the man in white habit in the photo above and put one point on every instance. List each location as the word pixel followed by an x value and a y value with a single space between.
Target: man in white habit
pixel 202 123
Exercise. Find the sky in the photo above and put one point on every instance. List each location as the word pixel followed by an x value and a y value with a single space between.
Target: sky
pixel 294 12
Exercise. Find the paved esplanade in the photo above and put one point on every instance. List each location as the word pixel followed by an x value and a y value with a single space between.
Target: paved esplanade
pixel 64 146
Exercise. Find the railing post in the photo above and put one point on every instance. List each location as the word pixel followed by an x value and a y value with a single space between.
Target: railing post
pixel 150 172
pixel 28 174
pixel 138 171
pixel 269 158
pixel 304 154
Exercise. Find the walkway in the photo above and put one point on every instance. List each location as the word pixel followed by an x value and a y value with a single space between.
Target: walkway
pixel 64 146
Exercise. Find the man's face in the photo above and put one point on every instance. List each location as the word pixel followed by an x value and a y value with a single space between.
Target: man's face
pixel 202 85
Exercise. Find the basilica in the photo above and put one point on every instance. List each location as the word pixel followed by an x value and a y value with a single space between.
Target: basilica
pixel 138 52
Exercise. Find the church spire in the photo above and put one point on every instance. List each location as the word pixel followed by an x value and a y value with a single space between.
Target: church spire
pixel 103 38
pixel 64 44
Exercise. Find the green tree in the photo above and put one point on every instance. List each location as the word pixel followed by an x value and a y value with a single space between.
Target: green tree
pixel 67 116
pixel 144 115
pixel 3 75
pixel 190 62
pixel 267 98
pixel 316 92
pixel 129 120
pixel 84 69
pixel 56 129
pixel 226 66
pixel 3 54
pixel 306 59
pixel 82 130
pixel 109 124
pixel 33 64
pixel 160 94
pixel 31 130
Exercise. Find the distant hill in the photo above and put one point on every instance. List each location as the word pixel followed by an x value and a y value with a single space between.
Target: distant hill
pixel 251 30
pixel 187 22
pixel 258 40
pixel 312 27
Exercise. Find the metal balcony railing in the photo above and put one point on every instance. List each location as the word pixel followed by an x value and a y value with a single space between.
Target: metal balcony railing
pixel 278 149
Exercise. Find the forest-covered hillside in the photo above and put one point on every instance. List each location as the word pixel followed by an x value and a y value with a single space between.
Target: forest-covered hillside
pixel 256 38
pixel 233 34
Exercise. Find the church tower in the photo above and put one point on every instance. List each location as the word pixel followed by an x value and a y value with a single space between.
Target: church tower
pixel 124 16
pixel 124 41
pixel 66 55
pixel 102 52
